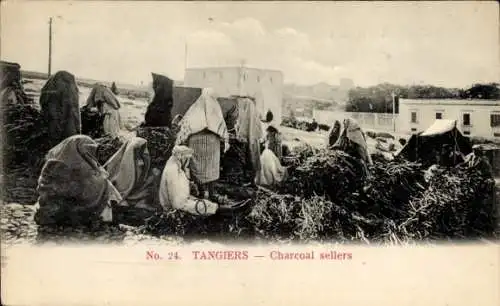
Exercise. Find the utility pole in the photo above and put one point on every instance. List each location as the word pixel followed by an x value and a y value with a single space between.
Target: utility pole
pixel 50 46
pixel 185 55
pixel 394 111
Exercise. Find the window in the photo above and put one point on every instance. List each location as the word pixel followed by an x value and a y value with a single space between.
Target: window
pixel 245 76
pixel 204 75
pixel 466 119
pixel 271 79
pixel 258 79
pixel 495 120
pixel 220 75
pixel 413 117
pixel 466 132
pixel 413 129
pixel 439 115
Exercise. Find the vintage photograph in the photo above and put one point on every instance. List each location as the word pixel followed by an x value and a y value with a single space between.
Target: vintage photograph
pixel 256 122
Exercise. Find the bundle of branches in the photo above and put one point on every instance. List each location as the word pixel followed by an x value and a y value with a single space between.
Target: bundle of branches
pixel 234 163
pixel 180 223
pixel 161 141
pixel 329 172
pixel 106 147
pixel 19 184
pixel 390 187
pixel 92 123
pixel 24 135
pixel 457 204
pixel 24 147
pixel 286 217
pixel 298 155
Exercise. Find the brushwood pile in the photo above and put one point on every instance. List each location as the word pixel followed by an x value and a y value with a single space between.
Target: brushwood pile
pixel 23 150
pixel 327 197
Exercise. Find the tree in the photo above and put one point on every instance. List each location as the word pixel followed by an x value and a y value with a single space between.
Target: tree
pixel 489 91
pixel 378 99
pixel 114 89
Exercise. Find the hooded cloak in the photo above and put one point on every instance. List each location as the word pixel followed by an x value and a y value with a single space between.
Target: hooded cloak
pixel 249 130
pixel 131 173
pixel 159 111
pixel 108 105
pixel 72 181
pixel 353 139
pixel 60 108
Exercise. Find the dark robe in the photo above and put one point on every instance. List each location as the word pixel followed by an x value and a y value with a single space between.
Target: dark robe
pixel 11 88
pixel 60 108
pixel 334 134
pixel 159 112
pixel 269 116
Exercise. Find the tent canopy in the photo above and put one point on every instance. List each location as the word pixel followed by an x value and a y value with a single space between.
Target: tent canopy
pixel 423 146
pixel 439 127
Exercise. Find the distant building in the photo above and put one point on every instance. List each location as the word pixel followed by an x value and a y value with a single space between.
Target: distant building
pixel 266 86
pixel 479 118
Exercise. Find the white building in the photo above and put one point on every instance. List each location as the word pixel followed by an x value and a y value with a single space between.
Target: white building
pixel 480 118
pixel 266 86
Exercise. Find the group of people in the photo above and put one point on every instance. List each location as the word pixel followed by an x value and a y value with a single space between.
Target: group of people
pixel 60 109
pixel 74 187
pixel 449 157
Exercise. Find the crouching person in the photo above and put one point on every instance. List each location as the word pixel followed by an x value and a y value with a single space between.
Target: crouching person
pixel 271 172
pixel 73 188
pixel 174 191
pixel 131 173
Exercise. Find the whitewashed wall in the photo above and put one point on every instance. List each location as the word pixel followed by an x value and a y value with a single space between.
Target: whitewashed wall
pixel 266 86
pixel 479 110
pixel 372 121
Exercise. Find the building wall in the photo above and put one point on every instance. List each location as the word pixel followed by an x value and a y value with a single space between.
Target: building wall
pixel 265 86
pixel 370 121
pixel 224 81
pixel 480 112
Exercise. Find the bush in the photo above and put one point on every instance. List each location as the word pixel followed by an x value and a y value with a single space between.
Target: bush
pixel 323 127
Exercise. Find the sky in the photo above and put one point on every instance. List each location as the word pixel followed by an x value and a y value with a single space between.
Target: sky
pixel 451 44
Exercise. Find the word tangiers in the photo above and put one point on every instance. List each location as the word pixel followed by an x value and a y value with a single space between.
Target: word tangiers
pixel 220 255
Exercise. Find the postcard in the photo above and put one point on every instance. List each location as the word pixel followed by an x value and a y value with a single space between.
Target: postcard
pixel 250 152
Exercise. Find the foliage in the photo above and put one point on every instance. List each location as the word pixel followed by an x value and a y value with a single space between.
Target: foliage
pixel 378 99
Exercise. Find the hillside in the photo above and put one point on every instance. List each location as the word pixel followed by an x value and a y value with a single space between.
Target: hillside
pixel 335 93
